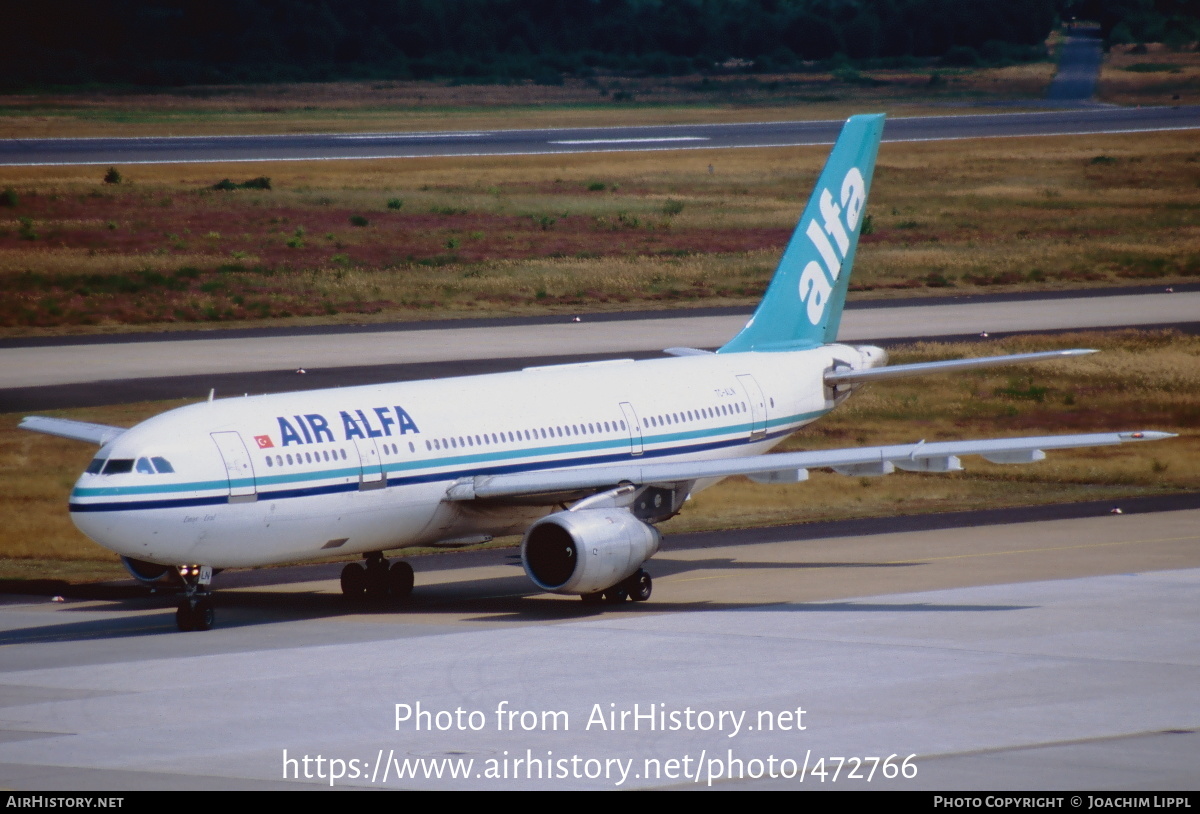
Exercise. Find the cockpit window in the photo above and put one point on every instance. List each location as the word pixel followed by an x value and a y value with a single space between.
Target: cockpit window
pixel 163 465
pixel 118 466
pixel 95 466
pixel 143 466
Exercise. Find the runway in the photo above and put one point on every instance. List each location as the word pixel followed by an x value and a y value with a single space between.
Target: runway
pixel 1054 654
pixel 331 146
pixel 46 374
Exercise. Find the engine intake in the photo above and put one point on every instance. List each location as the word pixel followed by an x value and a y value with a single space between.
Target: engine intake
pixel 147 572
pixel 582 552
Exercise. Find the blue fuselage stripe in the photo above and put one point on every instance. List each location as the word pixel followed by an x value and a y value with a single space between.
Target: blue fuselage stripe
pixel 789 426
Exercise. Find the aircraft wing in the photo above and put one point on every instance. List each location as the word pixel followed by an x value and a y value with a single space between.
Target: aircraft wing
pixel 940 456
pixel 99 434
pixel 836 376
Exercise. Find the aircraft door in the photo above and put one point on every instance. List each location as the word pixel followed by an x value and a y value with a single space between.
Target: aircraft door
pixel 371 472
pixel 238 467
pixel 758 406
pixel 635 428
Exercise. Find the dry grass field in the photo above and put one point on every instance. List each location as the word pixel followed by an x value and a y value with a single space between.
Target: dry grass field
pixel 1141 380
pixel 408 239
pixel 338 107
pixel 1157 76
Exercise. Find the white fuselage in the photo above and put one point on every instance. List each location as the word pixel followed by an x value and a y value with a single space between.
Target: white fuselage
pixel 295 476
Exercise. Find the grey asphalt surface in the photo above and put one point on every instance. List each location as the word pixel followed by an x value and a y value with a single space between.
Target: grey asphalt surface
pixel 187 149
pixel 1039 655
pixel 1078 68
pixel 37 376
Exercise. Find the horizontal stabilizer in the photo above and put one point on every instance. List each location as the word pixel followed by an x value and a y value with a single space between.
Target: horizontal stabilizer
pixel 99 434
pixel 835 377
pixel 942 456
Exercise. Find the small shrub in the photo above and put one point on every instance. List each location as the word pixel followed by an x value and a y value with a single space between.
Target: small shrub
pixel 225 185
pixel 1022 390
pixel 1103 159
pixel 26 230
pixel 359 220
pixel 672 207
pixel 868 225
pixel 112 176
pixel 1154 67
pixel 596 186
pixel 394 203
pixel 9 197
pixel 452 243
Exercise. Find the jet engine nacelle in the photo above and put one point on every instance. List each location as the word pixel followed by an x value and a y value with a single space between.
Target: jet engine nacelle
pixel 586 551
pixel 147 572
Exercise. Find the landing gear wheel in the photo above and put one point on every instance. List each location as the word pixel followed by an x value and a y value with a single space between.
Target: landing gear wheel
pixel 203 615
pixel 183 617
pixel 640 586
pixel 195 614
pixel 400 581
pixel 354 581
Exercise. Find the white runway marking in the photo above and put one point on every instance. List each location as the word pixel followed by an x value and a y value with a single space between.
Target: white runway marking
pixel 631 140
pixel 405 136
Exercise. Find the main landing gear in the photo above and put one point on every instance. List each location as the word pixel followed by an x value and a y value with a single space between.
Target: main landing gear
pixel 376 581
pixel 196 608
pixel 636 587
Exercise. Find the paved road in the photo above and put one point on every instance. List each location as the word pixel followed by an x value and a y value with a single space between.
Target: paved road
pixel 1056 654
pixel 20 152
pixel 1078 68
pixel 47 376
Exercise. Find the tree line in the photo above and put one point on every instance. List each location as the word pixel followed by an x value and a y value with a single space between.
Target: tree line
pixel 179 42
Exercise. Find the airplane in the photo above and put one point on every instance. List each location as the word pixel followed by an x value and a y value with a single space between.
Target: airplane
pixel 581 459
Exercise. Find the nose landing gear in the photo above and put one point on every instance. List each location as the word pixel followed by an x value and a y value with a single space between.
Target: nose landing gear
pixel 196 608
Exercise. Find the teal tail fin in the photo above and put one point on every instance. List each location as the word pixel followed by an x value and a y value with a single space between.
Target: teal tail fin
pixel 803 304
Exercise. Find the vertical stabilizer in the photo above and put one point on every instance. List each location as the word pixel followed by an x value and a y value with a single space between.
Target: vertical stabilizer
pixel 803 304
